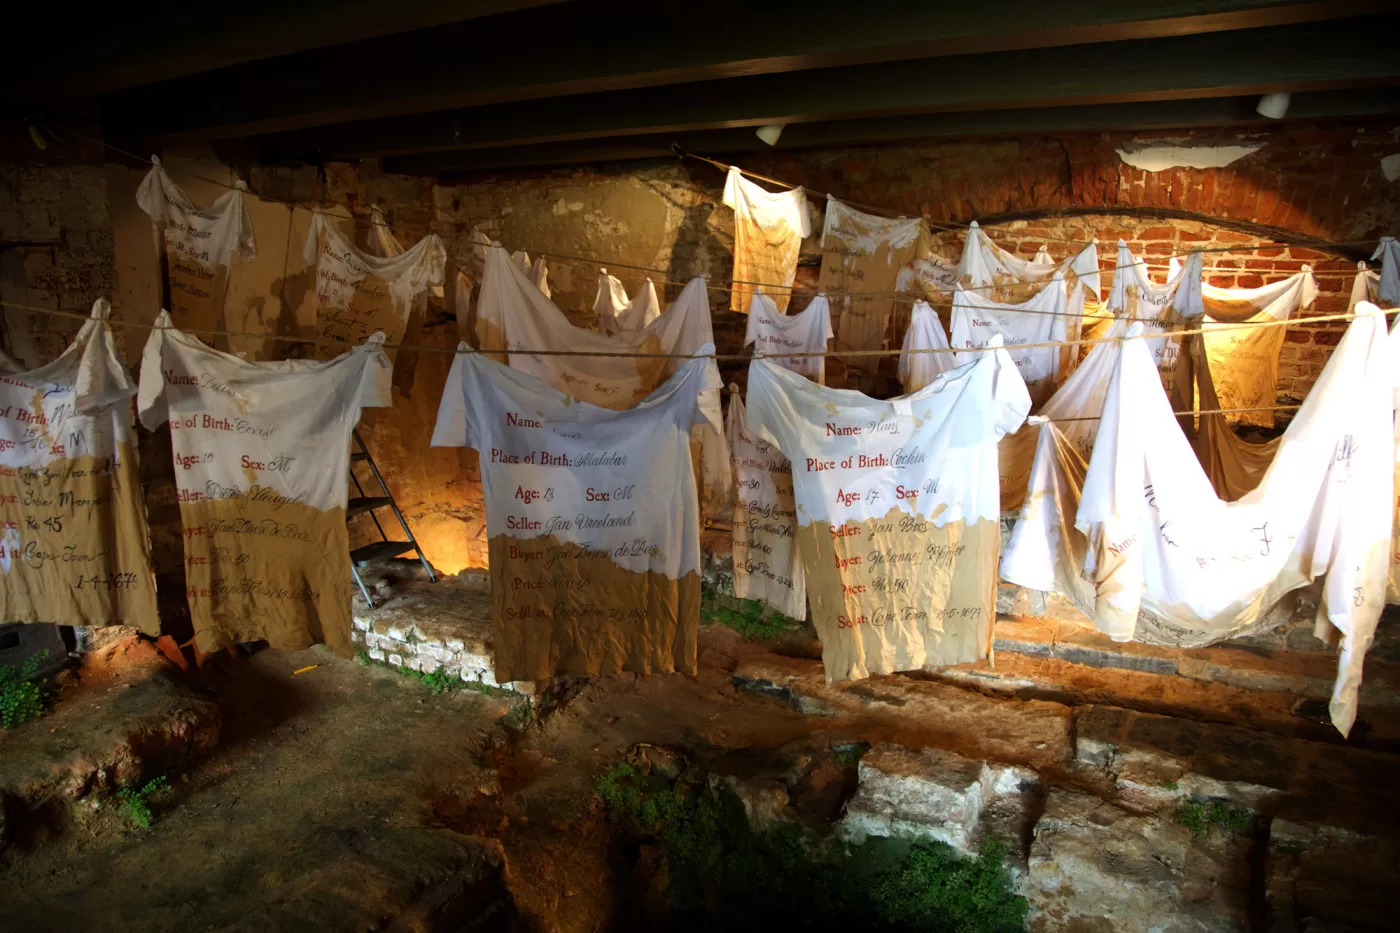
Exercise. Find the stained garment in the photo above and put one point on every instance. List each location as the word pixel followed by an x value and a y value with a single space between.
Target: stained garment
pixel 619 314
pixel 74 549
pixel 512 313
pixel 994 273
pixel 768 232
pixel 592 518
pixel 200 243
pixel 1135 296
pixel 262 464
pixel 1388 252
pixel 1138 539
pixel 1365 287
pixel 773 333
pixel 925 332
pixel 358 293
pixel 1244 360
pixel 536 271
pixel 897 511
pixel 866 253
pixel 767 565
pixel 1392 580
pixel 1038 320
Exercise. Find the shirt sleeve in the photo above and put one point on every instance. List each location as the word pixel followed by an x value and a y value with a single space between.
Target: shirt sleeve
pixel 102 380
pixel 804 215
pixel 451 427
pixel 150 393
pixel 732 192
pixel 769 410
pixel 377 376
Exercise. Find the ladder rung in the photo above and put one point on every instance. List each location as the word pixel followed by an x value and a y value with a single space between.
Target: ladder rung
pixel 379 550
pixel 365 504
pixel 359 456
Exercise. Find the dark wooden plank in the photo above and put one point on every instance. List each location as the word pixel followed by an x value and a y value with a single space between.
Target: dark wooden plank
pixel 594 47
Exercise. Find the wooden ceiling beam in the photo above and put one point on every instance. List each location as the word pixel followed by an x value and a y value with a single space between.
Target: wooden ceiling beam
pixel 593 47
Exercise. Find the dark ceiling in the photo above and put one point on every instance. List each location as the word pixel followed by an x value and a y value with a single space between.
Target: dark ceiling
pixel 441 88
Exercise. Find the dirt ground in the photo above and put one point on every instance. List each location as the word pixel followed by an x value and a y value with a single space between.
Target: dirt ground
pixel 349 797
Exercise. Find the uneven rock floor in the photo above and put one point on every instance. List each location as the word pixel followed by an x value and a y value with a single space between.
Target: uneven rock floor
pixel 350 797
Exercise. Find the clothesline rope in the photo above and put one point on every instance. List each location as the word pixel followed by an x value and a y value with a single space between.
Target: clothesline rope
pixel 719 357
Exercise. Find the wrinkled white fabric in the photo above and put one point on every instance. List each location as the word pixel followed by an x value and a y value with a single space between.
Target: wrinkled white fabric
pixel 512 314
pixel 767 565
pixel 1244 360
pixel 1365 287
pixel 931 277
pixel 619 314
pixel 1040 319
pixel 1388 252
pixel 1134 295
pixel 897 509
pixel 1146 547
pixel 768 232
pixel 983 264
pixel 211 234
pixel 535 270
pixel 774 334
pixel 925 332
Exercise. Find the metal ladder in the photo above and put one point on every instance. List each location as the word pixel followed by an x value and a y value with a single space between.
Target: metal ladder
pixel 376 550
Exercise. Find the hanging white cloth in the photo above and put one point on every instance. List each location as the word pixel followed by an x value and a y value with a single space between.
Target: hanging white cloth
pixel 1134 295
pixel 1244 360
pixel 358 293
pixel 773 334
pixel 767 565
pixel 616 312
pixel 73 540
pixel 768 231
pixel 200 243
pixel 1038 320
pixel 925 332
pixel 897 509
pixel 1388 252
pixel 1138 539
pixel 513 314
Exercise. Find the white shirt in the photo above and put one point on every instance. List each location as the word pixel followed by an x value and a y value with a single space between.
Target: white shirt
pixel 768 231
pixel 592 519
pixel 262 464
pixel 925 332
pixel 897 509
pixel 773 333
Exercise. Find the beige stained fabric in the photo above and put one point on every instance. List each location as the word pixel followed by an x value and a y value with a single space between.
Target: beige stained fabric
pixel 866 253
pixel 768 231
pixel 73 543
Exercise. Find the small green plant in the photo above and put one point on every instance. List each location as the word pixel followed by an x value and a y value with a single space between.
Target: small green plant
pixel 1170 785
pixel 746 616
pixel 135 801
pixel 1199 816
pixel 23 695
pixel 849 755
pixel 363 657
pixel 729 876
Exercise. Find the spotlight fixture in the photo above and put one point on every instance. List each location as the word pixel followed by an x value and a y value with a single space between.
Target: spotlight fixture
pixel 1273 106
pixel 769 133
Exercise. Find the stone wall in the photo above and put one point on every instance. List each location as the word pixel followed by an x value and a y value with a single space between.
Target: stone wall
pixel 1321 180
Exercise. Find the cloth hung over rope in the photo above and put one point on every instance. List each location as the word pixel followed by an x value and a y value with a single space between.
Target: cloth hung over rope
pixel 897 511
pixel 262 465
pixel 358 293
pixel 380 241
pixel 1134 295
pixel 536 271
pixel 929 277
pixel 773 334
pixel 925 332
pixel 1392 580
pixel 1244 360
pixel 768 232
pixel 200 244
pixel 1005 277
pixel 592 519
pixel 1388 252
pixel 866 253
pixel 512 313
pixel 1137 538
pixel 1039 319
pixel 616 312
pixel 73 542
pixel 767 565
